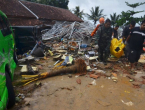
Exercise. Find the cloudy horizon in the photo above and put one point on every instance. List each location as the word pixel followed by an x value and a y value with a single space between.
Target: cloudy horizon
pixel 109 6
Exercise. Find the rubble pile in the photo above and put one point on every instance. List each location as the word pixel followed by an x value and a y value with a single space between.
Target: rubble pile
pixel 72 58
pixel 69 30
pixel 70 55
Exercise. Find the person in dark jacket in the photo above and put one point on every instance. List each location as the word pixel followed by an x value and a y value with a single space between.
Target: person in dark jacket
pixel 125 34
pixel 103 37
pixel 115 32
pixel 136 39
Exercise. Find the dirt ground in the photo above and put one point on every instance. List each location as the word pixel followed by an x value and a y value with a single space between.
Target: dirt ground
pixel 64 93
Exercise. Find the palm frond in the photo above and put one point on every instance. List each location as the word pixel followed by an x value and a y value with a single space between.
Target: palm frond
pixel 96 14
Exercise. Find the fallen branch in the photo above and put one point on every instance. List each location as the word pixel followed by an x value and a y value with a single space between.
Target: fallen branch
pixel 79 67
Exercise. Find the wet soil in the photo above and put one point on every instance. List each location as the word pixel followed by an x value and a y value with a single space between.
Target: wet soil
pixel 64 93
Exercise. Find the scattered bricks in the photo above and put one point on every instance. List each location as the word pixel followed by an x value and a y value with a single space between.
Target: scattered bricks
pixel 130 77
pixel 92 72
pixel 129 67
pixel 143 81
pixel 78 81
pixel 99 74
pixel 94 76
pixel 135 72
pixel 109 66
pixel 115 70
pixel 143 77
pixel 138 68
pixel 104 76
pixel 125 71
pixel 144 66
pixel 137 84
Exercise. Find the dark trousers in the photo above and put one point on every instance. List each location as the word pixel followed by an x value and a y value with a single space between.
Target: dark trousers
pixel 134 55
pixel 103 54
pixel 126 50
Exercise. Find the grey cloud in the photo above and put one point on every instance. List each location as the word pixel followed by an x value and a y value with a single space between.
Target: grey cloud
pixel 109 6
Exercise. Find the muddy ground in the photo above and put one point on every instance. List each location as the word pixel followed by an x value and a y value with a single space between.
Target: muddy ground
pixel 64 93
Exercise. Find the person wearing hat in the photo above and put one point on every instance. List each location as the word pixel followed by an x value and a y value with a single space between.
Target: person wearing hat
pixel 101 20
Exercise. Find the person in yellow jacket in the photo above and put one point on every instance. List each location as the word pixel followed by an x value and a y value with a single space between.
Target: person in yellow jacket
pixel 101 20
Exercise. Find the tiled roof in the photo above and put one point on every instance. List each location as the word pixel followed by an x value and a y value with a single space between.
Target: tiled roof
pixel 24 22
pixel 50 12
pixel 12 8
pixel 19 16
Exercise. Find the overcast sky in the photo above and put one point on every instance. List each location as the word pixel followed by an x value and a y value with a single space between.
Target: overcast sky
pixel 109 6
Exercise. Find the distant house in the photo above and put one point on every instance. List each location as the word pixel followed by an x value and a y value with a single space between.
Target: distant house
pixel 22 13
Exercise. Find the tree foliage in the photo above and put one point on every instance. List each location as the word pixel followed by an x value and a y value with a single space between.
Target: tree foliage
pixel 114 18
pixel 96 14
pixel 78 13
pixel 128 16
pixel 135 4
pixel 141 19
pixel 56 3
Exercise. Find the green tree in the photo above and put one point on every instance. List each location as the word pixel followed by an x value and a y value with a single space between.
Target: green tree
pixel 96 14
pixel 141 19
pixel 56 3
pixel 127 17
pixel 78 13
pixel 59 3
pixel 134 5
pixel 114 18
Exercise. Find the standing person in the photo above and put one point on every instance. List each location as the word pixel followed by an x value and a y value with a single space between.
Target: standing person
pixel 136 39
pixel 115 32
pixel 125 34
pixel 101 20
pixel 103 36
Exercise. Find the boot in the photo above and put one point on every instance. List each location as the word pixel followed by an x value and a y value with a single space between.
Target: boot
pixel 105 63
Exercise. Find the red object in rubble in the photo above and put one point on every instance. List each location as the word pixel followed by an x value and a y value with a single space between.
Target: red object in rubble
pixel 143 49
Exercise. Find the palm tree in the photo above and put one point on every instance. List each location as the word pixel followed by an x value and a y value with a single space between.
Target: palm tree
pixel 78 13
pixel 114 18
pixel 96 14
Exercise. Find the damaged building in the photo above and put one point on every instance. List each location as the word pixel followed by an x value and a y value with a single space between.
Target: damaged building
pixel 29 19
